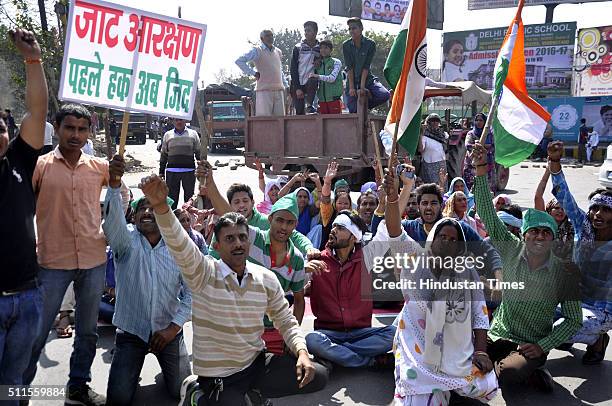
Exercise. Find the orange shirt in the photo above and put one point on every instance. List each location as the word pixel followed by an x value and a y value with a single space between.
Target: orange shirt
pixel 68 211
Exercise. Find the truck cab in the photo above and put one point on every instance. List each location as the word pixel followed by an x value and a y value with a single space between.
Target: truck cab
pixel 225 121
pixel 137 127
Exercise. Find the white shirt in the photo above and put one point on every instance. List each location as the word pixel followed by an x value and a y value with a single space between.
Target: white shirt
pixel 227 271
pixel 453 73
pixel 49 131
pixel 433 151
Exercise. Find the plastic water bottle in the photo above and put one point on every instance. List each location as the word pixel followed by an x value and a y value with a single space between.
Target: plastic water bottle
pixel 387 140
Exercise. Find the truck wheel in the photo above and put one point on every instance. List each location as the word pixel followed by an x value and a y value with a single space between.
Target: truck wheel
pixel 142 139
pixel 212 147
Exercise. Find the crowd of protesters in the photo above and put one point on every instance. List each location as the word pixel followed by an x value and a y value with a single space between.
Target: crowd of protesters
pixel 241 270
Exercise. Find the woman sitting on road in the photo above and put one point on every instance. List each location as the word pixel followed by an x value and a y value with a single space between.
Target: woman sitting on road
pixel 441 340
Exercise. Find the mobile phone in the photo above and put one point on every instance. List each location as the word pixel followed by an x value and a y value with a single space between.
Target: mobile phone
pixel 403 169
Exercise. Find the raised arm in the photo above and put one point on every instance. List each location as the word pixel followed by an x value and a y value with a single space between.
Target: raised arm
pixel 298 177
pixel 560 188
pixel 114 225
pixel 195 267
pixel 204 173
pixel 538 199
pixel 36 95
pixel 500 236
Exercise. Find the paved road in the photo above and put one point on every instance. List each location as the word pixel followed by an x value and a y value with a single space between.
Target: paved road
pixel 576 384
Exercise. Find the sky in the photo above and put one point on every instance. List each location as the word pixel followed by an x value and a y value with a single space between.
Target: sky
pixel 230 28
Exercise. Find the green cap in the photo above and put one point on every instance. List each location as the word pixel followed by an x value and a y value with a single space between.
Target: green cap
pixel 536 219
pixel 289 203
pixel 135 203
pixel 340 183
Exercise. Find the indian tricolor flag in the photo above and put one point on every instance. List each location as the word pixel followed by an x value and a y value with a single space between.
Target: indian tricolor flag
pixel 519 123
pixel 405 71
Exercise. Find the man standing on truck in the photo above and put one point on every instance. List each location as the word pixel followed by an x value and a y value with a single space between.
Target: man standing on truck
pixel 179 147
pixel 358 54
pixel 305 54
pixel 271 81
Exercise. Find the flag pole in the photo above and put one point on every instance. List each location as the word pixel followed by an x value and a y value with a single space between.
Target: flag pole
pixel 489 123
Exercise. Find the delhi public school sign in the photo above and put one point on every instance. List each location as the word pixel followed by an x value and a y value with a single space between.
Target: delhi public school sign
pixel 131 60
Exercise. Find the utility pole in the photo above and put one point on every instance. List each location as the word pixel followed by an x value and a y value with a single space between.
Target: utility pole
pixel 43 16
pixel 550 10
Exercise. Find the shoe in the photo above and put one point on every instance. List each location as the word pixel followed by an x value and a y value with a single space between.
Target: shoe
pixel 83 395
pixel 190 391
pixel 592 357
pixel 311 110
pixel 254 398
pixel 384 362
pixel 326 363
pixel 542 380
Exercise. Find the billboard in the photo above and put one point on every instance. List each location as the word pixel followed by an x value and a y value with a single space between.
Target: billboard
pixel 549 50
pixel 386 11
pixel 593 62
pixel 131 60
pixel 566 113
pixel 484 4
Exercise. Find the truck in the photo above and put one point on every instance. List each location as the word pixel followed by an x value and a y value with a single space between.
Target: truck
pixel 286 145
pixel 225 123
pixel 137 127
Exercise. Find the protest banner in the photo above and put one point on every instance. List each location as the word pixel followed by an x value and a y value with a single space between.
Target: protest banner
pixel 488 4
pixel 593 62
pixel 132 60
pixel 549 50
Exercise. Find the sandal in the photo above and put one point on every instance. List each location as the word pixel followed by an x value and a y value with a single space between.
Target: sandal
pixel 592 357
pixel 64 329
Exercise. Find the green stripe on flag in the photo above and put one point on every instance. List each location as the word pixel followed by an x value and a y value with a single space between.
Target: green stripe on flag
pixel 395 59
pixel 509 150
pixel 410 138
pixel 500 76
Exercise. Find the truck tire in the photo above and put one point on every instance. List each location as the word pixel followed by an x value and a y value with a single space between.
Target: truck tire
pixel 141 139
pixel 212 147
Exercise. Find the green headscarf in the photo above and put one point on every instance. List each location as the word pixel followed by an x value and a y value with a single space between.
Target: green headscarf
pixel 535 218
pixel 135 203
pixel 340 183
pixel 289 203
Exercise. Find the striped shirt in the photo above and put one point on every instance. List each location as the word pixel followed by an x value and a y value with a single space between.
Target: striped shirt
pixel 228 318
pixel 178 151
pixel 526 315
pixel 151 292
pixel 289 270
pixel 298 239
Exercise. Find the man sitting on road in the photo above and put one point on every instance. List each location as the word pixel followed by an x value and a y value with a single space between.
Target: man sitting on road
pixel 152 300
pixel 230 298
pixel 593 254
pixel 341 293
pixel 522 333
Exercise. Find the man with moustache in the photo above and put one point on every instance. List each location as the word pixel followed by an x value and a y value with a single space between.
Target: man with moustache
pixel 71 245
pixel 152 300
pixel 522 333
pixel 230 298
pixel 341 293
pixel 270 248
pixel 429 199
pixel 593 254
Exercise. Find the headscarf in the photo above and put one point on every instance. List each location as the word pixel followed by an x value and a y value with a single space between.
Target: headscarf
pixel 136 202
pixel 466 192
pixel 507 200
pixel 304 219
pixel 288 203
pixel 478 131
pixel 436 134
pixel 588 232
pixel 346 222
pixel 448 319
pixel 369 186
pixel 534 218
pixel 340 183
pixel 265 206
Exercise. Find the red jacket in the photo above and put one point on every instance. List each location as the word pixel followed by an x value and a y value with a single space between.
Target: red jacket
pixel 336 296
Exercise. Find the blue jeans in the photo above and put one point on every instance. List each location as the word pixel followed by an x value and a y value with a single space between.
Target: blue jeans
pixel 379 95
pixel 353 349
pixel 18 313
pixel 128 358
pixel 88 288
